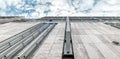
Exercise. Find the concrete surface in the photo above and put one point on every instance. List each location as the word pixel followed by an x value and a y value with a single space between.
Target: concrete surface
pixel 90 41
pixel 10 29
pixel 94 41
pixel 52 45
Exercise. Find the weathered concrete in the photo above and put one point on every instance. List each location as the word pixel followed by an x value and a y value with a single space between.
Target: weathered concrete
pixel 94 41
pixel 53 44
pixel 10 29
pixel 90 41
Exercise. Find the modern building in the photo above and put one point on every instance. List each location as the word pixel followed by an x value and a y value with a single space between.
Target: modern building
pixel 61 38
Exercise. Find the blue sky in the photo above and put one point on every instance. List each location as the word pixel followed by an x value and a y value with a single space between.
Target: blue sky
pixel 40 8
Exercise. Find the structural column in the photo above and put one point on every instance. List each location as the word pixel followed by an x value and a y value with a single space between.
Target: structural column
pixel 67 45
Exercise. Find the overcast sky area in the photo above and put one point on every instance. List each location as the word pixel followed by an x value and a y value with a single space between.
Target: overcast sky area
pixel 40 8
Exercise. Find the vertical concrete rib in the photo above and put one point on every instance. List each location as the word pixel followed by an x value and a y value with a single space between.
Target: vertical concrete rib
pixel 67 45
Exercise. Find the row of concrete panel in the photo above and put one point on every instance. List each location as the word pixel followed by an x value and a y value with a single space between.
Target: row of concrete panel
pixel 14 44
pixel 27 50
pixel 14 39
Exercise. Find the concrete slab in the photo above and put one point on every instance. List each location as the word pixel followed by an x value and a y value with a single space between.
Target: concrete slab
pixel 90 41
pixel 53 44
pixel 10 29
pixel 97 42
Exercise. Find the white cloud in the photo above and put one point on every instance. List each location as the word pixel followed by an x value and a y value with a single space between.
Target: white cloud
pixel 62 8
pixel 2 4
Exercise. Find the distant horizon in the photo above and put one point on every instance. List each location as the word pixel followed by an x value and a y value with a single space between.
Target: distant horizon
pixel 52 16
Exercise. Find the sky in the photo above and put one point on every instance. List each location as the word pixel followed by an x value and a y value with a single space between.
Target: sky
pixel 41 8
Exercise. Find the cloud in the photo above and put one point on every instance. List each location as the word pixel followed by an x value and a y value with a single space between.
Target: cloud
pixel 40 8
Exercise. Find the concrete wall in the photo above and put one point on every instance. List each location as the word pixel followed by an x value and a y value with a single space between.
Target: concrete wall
pixel 81 19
